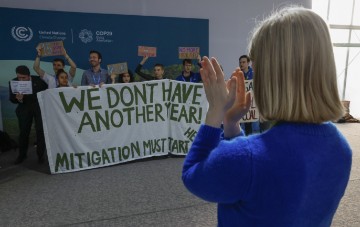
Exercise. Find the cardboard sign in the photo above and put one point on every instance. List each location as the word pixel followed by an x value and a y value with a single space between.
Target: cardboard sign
pixel 52 48
pixel 146 51
pixel 118 68
pixel 189 52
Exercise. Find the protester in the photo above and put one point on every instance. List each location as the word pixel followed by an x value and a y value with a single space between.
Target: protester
pixel 187 75
pixel 58 64
pixel 28 109
pixel 294 174
pixel 126 77
pixel 95 75
pixel 62 77
pixel 158 70
pixel 244 64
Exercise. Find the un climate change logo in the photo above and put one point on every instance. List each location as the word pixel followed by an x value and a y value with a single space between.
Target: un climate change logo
pixel 86 36
pixel 21 33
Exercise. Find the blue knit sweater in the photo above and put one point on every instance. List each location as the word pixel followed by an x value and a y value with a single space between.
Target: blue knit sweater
pixel 293 175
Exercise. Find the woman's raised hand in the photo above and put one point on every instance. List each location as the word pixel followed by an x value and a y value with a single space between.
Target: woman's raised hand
pixel 221 96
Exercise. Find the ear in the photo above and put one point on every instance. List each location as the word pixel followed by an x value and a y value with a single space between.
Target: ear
pixel 100 60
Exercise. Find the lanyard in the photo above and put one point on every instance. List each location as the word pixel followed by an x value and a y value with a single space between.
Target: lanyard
pixel 98 81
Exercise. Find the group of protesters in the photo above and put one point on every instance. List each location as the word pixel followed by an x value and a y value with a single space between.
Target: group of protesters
pixel 28 107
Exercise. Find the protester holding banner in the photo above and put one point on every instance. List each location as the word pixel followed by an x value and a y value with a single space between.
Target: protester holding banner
pixel 187 75
pixel 58 63
pixel 244 64
pixel 286 176
pixel 28 109
pixel 126 77
pixel 95 75
pixel 158 70
pixel 62 78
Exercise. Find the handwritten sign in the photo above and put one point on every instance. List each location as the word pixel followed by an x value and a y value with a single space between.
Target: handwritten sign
pixel 253 114
pixel 22 87
pixel 146 51
pixel 189 52
pixel 55 48
pixel 118 68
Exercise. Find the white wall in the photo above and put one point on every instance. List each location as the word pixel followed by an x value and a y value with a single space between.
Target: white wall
pixel 230 21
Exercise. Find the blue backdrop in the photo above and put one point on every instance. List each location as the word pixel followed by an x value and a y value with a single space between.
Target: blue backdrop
pixel 115 36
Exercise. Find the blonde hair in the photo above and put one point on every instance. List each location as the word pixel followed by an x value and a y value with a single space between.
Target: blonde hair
pixel 294 68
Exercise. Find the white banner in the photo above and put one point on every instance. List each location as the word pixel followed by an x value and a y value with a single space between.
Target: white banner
pixel 88 128
pixel 253 114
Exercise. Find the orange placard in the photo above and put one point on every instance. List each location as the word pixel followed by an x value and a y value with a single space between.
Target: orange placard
pixel 189 52
pixel 52 48
pixel 146 51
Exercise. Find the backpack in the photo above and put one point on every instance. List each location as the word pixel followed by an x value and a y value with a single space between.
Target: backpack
pixel 6 143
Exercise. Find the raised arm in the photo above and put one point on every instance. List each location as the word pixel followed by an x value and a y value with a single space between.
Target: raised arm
pixel 221 96
pixel 72 64
pixel 138 69
pixel 239 108
pixel 36 65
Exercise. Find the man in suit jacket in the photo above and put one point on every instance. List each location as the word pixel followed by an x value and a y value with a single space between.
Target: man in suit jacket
pixel 28 109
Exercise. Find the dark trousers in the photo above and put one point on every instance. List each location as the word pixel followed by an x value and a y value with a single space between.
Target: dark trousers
pixel 248 128
pixel 25 115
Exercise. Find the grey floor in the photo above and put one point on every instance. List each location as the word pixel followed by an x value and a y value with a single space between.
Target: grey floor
pixel 142 193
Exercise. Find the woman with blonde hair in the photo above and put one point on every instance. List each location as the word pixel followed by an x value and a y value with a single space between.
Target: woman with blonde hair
pixel 295 174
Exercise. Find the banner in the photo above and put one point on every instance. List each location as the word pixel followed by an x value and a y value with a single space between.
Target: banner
pixel 22 30
pixel 88 128
pixel 253 114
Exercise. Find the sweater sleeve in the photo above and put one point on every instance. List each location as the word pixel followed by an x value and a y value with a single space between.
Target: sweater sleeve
pixel 218 171
pixel 12 97
pixel 143 75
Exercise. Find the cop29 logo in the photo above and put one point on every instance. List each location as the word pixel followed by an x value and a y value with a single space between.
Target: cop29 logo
pixel 86 36
pixel 22 33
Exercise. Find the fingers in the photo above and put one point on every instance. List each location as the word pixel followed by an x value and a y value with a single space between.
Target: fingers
pixel 204 76
pixel 231 85
pixel 217 69
pixel 64 51
pixel 207 69
pixel 240 84
pixel 248 100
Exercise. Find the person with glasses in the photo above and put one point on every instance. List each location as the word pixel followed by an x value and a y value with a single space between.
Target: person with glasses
pixel 158 70
pixel 95 75
pixel 58 63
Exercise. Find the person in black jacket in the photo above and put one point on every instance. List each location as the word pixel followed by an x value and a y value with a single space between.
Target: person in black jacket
pixel 158 70
pixel 28 109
